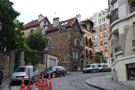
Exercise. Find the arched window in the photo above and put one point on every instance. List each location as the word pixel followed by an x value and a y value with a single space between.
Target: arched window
pixel 86 53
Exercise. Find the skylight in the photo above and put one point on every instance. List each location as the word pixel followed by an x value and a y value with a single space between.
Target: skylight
pixel 63 24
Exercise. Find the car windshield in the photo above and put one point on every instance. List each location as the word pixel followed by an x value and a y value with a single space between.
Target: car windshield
pixel 21 69
pixel 99 65
pixel 51 68
pixel 88 66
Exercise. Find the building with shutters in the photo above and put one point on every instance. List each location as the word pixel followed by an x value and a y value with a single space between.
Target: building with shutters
pixel 122 36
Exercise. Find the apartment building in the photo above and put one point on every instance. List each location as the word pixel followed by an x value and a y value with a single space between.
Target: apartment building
pixel 101 27
pixel 122 36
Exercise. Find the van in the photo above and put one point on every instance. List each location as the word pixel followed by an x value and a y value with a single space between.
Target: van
pixel 28 72
pixel 90 68
pixel 103 67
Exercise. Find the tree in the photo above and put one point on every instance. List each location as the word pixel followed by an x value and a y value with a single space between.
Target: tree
pixel 10 38
pixel 36 41
pixel 99 58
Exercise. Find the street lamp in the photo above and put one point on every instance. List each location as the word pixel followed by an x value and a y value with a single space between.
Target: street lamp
pixel 0 26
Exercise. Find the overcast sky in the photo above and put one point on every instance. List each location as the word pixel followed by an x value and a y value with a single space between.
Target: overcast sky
pixel 65 9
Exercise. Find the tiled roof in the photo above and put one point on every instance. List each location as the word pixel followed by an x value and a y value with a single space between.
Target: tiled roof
pixel 34 22
pixel 69 22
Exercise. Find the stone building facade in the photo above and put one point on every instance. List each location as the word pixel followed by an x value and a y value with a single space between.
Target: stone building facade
pixel 66 40
pixel 122 36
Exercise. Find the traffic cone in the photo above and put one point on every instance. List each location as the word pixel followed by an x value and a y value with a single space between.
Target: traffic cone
pixel 27 86
pixel 39 83
pixel 22 84
pixel 50 86
pixel 46 87
pixel 49 77
pixel 45 83
pixel 36 84
pixel 53 75
pixel 42 85
pixel 30 86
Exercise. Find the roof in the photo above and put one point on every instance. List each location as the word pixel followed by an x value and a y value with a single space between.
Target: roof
pixel 34 23
pixel 86 20
pixel 68 23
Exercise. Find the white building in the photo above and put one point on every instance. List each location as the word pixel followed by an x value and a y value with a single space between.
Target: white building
pixel 122 28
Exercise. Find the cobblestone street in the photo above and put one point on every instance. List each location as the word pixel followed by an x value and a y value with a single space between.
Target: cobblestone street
pixel 75 81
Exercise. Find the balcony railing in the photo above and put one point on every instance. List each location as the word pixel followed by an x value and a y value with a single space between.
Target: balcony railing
pixel 133 43
pixel 114 16
pixel 132 7
pixel 118 48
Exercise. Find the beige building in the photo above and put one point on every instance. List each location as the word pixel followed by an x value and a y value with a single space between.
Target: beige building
pixel 41 24
pixel 101 27
pixel 122 28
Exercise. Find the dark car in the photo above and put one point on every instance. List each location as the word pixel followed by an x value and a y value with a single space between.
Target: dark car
pixel 1 75
pixel 58 70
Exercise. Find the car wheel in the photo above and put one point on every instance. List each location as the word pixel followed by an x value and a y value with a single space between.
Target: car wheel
pixel 64 74
pixel 1 78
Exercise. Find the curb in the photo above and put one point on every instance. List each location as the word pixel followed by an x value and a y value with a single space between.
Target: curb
pixel 94 85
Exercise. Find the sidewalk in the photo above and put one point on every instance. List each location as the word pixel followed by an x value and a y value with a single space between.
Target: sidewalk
pixel 5 84
pixel 106 83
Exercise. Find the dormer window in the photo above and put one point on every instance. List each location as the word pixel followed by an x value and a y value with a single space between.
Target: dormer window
pixel 44 22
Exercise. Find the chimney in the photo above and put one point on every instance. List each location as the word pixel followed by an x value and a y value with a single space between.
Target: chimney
pixel 55 22
pixel 79 17
pixel 40 17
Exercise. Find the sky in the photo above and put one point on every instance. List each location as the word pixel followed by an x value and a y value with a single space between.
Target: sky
pixel 64 9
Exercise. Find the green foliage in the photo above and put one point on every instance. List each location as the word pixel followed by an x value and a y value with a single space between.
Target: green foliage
pixel 36 41
pixel 30 57
pixel 100 58
pixel 9 36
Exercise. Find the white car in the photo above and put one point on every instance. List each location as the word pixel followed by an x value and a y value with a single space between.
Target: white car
pixel 90 68
pixel 28 72
pixel 103 67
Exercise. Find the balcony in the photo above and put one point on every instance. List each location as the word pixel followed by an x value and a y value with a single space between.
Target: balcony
pixel 114 16
pixel 118 50
pixel 132 7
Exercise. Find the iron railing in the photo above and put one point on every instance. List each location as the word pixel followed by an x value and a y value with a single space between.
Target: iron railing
pixel 114 16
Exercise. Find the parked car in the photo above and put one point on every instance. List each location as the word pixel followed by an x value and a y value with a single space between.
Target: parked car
pixel 103 67
pixel 90 68
pixel 26 72
pixel 1 74
pixel 58 70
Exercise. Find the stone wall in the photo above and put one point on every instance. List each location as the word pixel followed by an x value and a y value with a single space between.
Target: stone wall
pixel 7 62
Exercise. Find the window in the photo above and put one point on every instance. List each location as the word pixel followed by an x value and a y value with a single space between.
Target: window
pixel 95 44
pixel 47 45
pixel 105 41
pixel 101 36
pixel 100 29
pixel 86 53
pixel 131 72
pixel 105 34
pixel 44 22
pixel 75 56
pixel 86 40
pixel 75 27
pixel 106 49
pixel 99 21
pixel 104 27
pixel 31 30
pixel 75 42
pixel 101 43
